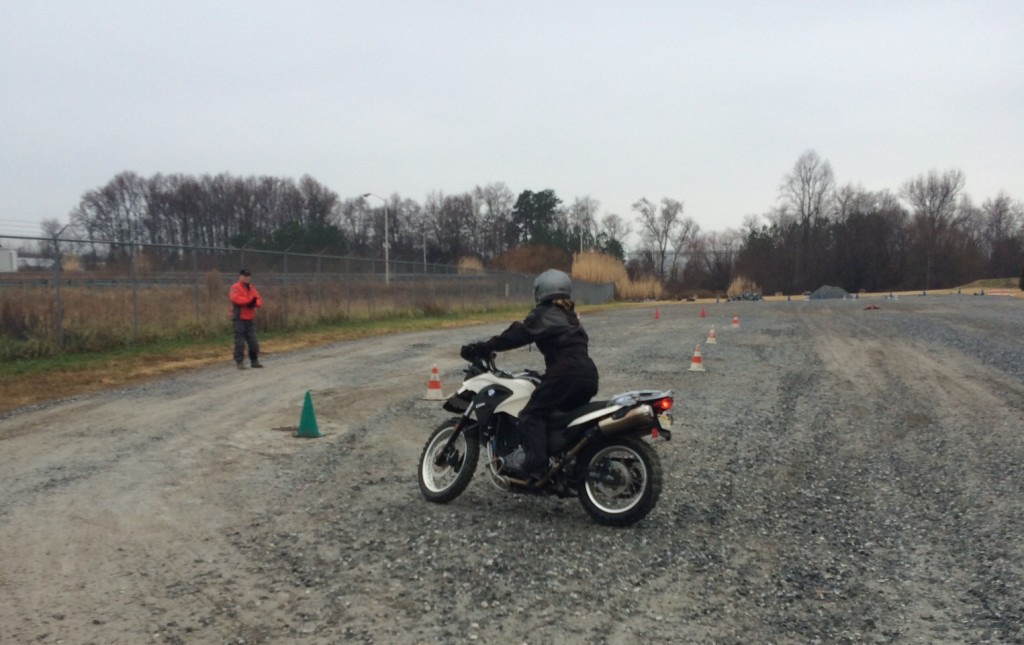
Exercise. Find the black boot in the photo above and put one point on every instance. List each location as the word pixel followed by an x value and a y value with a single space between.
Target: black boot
pixel 519 464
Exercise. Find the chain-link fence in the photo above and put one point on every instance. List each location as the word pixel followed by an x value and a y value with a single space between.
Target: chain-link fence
pixel 84 294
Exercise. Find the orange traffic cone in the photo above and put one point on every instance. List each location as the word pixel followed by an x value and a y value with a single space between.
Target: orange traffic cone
pixel 657 315
pixel 736 322
pixel 434 387
pixel 712 336
pixel 703 314
pixel 697 365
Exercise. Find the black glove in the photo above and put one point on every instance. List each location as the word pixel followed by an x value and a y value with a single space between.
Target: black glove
pixel 470 352
pixel 252 303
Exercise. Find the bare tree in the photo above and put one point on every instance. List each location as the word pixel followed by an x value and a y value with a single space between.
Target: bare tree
pixel 806 191
pixel 582 216
pixel 496 201
pixel 614 227
pixel 933 200
pixel 408 235
pixel 686 233
pixel 719 251
pixel 357 220
pixel 114 212
pixel 319 203
pixel 456 221
pixel 612 236
pixel 659 226
pixel 1003 234
pixel 848 199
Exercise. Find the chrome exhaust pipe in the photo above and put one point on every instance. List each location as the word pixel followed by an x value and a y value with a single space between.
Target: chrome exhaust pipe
pixel 637 417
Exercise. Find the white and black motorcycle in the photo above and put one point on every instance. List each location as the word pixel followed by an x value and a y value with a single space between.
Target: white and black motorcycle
pixel 601 452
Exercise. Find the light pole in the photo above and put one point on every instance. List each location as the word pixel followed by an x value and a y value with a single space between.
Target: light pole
pixel 387 245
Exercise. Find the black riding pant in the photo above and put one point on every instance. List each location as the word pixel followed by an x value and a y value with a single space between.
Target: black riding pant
pixel 552 395
pixel 245 334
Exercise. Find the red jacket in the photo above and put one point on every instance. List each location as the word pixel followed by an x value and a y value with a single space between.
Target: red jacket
pixel 241 295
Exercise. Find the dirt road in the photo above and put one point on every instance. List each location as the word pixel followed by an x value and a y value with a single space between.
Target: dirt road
pixel 836 475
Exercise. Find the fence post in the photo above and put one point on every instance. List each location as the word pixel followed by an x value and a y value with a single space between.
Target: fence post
pixel 58 268
pixel 135 296
pixel 195 281
pixel 319 288
pixel 348 291
pixel 285 282
pixel 373 293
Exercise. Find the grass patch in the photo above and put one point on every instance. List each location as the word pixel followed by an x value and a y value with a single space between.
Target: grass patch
pixel 994 283
pixel 32 381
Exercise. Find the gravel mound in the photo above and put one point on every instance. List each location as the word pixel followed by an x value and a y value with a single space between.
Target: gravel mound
pixel 827 292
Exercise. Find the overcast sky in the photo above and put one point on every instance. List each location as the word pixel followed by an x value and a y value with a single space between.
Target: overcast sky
pixel 709 103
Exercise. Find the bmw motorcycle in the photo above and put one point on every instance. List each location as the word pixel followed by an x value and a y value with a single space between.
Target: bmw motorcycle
pixel 601 452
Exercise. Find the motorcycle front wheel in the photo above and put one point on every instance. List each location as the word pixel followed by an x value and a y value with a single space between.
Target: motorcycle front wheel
pixel 446 467
pixel 622 481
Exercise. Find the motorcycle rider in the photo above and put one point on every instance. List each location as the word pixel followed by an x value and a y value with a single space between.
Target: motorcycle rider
pixel 570 379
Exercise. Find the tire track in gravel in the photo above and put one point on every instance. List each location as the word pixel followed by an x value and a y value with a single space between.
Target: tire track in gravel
pixel 934 465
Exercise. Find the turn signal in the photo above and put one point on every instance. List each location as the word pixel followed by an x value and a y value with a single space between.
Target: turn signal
pixel 664 404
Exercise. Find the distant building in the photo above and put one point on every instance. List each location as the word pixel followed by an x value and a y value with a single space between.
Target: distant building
pixel 8 260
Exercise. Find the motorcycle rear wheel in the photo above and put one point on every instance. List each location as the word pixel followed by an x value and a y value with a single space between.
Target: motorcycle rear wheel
pixel 445 471
pixel 622 482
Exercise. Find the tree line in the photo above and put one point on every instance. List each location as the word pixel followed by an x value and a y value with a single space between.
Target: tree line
pixel 928 234
pixel 305 216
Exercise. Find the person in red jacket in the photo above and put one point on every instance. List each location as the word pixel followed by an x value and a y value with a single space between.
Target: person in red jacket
pixel 245 300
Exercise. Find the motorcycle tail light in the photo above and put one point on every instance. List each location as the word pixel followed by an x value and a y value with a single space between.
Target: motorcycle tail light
pixel 664 404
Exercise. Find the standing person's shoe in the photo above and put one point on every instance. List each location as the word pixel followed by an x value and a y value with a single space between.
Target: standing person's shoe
pixel 240 365
pixel 256 363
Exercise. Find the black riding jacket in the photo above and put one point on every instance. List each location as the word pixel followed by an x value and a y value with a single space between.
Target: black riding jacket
pixel 557 334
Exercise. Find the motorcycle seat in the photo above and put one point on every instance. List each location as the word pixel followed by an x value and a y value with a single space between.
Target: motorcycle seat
pixel 561 419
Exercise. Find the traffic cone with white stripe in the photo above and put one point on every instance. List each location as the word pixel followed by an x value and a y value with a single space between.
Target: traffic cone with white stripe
pixel 434 387
pixel 697 365
pixel 712 337
pixel 735 322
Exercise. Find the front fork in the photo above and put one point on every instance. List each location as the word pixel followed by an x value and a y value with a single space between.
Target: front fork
pixel 449 456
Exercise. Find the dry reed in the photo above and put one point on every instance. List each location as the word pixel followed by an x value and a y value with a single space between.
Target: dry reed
pixel 741 285
pixel 602 269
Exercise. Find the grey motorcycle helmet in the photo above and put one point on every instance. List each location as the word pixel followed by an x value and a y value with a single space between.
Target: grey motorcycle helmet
pixel 552 284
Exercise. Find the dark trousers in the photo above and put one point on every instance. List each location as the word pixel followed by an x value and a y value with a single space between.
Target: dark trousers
pixel 555 394
pixel 245 334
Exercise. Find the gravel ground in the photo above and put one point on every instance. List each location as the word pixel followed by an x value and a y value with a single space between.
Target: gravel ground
pixel 836 475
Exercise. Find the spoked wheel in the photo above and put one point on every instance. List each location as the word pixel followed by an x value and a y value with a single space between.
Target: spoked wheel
pixel 622 481
pixel 446 466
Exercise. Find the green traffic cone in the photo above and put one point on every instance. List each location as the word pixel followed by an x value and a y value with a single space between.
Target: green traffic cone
pixel 307 424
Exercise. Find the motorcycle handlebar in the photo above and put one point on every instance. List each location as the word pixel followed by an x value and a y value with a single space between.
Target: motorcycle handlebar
pixel 485 363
